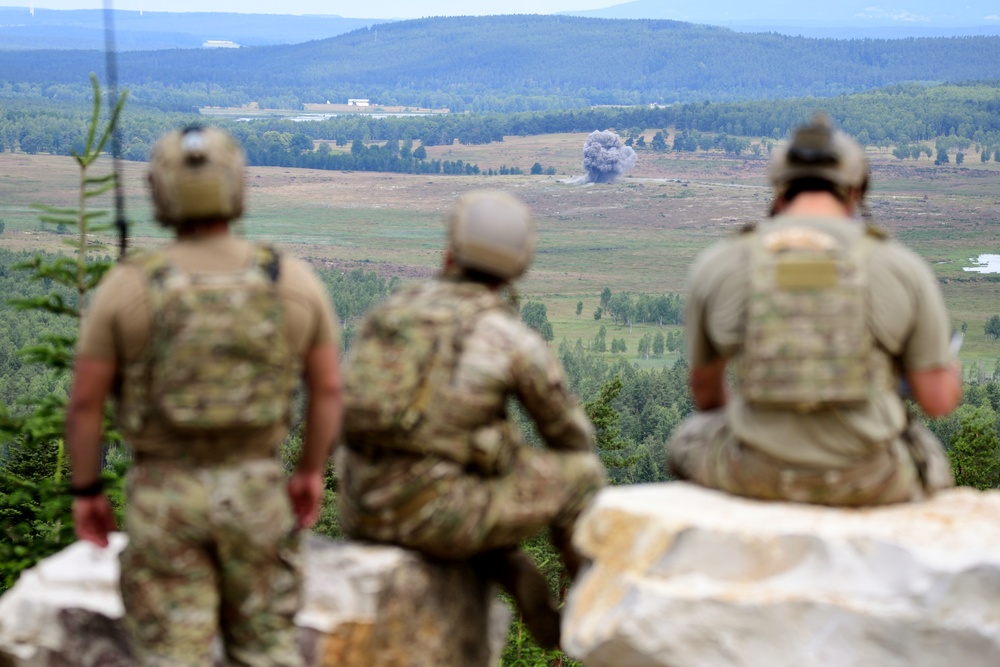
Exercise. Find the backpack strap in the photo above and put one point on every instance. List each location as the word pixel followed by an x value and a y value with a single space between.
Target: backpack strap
pixel 465 316
pixel 876 232
pixel 268 259
pixel 153 263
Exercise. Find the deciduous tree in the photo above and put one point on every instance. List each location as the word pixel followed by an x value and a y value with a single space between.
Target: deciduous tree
pixel 992 328
pixel 975 448
pixel 535 315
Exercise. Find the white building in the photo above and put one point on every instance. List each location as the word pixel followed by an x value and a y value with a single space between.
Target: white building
pixel 219 44
pixel 358 102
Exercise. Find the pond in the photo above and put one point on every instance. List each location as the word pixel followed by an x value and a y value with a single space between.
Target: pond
pixel 985 264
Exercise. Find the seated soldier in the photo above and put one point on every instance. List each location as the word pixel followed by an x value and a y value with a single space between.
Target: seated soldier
pixel 433 461
pixel 825 319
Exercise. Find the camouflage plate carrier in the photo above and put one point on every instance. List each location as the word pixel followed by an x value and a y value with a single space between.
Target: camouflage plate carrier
pixel 218 357
pixel 808 345
pixel 402 358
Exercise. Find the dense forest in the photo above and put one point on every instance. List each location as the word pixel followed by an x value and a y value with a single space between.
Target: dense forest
pixel 517 63
pixel 20 329
pixel 954 116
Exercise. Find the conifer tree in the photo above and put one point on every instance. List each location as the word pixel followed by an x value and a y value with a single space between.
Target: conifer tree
pixel 34 507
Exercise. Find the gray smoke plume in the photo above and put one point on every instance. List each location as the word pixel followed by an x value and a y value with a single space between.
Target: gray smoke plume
pixel 605 157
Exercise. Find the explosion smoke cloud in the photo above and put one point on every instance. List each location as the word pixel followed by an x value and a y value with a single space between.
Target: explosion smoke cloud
pixel 605 157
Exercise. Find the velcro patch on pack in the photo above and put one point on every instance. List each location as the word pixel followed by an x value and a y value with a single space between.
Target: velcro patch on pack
pixel 806 274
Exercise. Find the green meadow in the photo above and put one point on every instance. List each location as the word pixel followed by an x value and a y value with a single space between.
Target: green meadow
pixel 638 235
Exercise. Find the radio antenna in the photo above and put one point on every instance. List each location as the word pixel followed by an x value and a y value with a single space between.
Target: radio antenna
pixel 116 139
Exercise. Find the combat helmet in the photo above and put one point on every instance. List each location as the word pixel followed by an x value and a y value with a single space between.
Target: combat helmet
pixel 493 233
pixel 820 151
pixel 196 174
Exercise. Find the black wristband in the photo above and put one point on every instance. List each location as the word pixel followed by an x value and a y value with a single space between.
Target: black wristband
pixel 89 491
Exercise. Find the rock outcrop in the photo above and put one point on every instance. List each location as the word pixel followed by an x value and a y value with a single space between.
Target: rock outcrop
pixel 365 605
pixel 688 577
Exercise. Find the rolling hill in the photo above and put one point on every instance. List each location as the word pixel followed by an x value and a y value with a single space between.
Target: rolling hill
pixel 143 31
pixel 511 63
pixel 857 13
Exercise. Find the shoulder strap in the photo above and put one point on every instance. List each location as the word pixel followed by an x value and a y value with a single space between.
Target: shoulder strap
pixel 268 259
pixel 152 263
pixel 156 267
pixel 155 263
pixel 878 233
pixel 465 316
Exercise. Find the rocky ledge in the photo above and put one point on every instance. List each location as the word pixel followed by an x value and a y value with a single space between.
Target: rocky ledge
pixel 688 577
pixel 365 605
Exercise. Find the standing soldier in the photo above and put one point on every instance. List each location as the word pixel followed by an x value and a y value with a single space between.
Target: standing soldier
pixel 204 343
pixel 433 460
pixel 825 320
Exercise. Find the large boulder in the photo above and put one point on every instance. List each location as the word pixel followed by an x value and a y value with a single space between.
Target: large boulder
pixel 365 605
pixel 688 577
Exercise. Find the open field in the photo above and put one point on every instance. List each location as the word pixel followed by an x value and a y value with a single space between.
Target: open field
pixel 637 235
pixel 317 111
pixel 371 109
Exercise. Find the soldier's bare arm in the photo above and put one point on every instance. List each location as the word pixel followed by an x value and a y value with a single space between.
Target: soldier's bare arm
pixel 92 383
pixel 708 386
pixel 323 418
pixel 930 353
pixel 938 390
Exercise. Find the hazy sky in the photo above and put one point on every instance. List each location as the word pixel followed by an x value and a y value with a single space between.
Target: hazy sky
pixel 372 9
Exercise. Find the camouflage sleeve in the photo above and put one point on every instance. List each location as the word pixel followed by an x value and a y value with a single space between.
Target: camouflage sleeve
pixel 540 384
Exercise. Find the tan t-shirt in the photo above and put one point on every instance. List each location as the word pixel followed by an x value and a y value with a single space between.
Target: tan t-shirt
pixel 119 321
pixel 907 316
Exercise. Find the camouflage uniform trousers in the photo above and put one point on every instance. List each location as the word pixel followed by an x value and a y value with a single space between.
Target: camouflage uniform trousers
pixel 440 508
pixel 704 450
pixel 212 550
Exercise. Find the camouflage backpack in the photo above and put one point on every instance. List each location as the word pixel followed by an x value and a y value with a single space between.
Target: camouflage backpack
pixel 405 349
pixel 218 357
pixel 808 344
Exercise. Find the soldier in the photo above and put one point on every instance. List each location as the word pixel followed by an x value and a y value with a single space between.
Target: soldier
pixel 433 460
pixel 825 320
pixel 203 343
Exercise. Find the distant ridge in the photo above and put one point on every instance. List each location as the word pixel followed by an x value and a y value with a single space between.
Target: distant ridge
pixel 888 32
pixel 523 62
pixel 84 28
pixel 849 18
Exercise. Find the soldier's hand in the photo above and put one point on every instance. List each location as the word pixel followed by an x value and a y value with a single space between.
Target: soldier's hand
pixel 93 519
pixel 305 489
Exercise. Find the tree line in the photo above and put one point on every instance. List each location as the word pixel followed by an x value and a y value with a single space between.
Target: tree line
pixel 959 117
pixel 627 309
